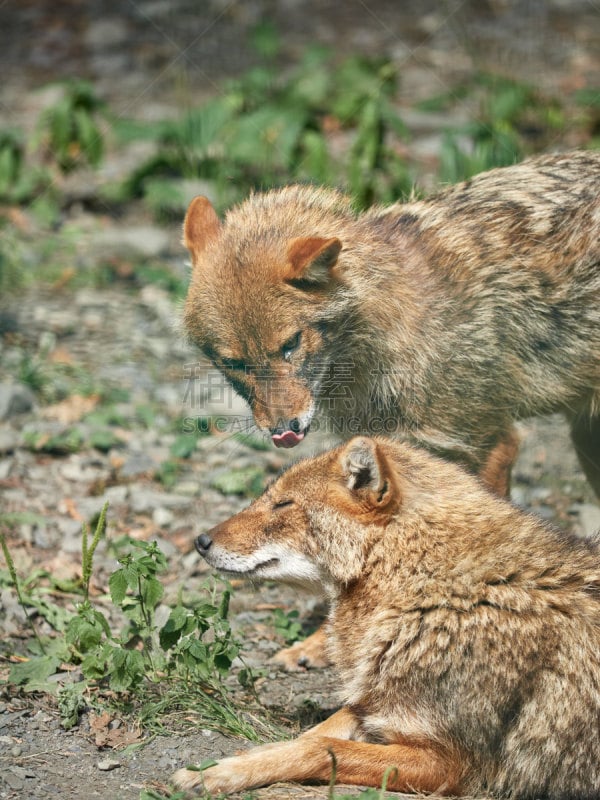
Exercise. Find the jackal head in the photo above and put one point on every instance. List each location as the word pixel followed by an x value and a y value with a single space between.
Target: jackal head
pixel 258 306
pixel 313 525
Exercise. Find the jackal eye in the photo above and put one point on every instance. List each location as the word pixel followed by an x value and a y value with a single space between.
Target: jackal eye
pixel 235 364
pixel 291 345
pixel 283 503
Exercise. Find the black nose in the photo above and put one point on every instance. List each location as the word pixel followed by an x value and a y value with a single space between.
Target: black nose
pixel 295 425
pixel 203 542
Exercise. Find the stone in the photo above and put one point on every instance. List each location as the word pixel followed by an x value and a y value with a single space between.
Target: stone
pixel 116 494
pixel 15 398
pixel 162 517
pixel 9 440
pixel 589 518
pixel 108 764
pixel 141 241
pixel 145 500
pixel 137 465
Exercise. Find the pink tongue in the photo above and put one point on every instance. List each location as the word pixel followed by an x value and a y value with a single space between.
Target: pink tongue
pixel 287 439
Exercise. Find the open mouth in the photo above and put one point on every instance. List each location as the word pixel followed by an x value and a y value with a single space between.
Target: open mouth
pixel 288 438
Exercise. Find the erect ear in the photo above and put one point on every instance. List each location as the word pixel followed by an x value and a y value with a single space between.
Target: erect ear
pixel 312 258
pixel 201 224
pixel 368 473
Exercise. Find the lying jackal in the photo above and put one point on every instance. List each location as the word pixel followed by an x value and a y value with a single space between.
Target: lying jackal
pixel 466 634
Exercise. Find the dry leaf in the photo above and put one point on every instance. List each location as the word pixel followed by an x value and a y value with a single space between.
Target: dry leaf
pixel 65 277
pixel 68 506
pixel 105 736
pixel 72 409
pixel 60 355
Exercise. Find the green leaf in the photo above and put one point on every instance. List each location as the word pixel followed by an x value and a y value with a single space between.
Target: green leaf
pixel 248 481
pixel 93 665
pixel 126 670
pixel 172 630
pixel 208 762
pixel 117 584
pixel 70 705
pixel 152 592
pixel 104 439
pixel 37 670
pixel 266 40
pixel 183 446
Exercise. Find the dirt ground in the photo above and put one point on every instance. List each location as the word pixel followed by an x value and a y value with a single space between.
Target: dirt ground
pixel 148 59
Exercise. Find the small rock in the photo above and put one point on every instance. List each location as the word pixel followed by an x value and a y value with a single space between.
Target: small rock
pixel 589 518
pixel 168 395
pixel 93 320
pixel 69 529
pixel 190 488
pixel 8 440
pixel 136 465
pixel 15 399
pixel 144 500
pixel 144 241
pixel 40 537
pixel 167 547
pixel 540 494
pixel 520 496
pixel 108 29
pixel 108 764
pixel 192 562
pixel 545 512
pixel 13 781
pixel 90 298
pixel 162 517
pixel 116 494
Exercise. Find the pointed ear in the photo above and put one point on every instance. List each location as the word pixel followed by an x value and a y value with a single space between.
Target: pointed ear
pixel 201 224
pixel 312 258
pixel 368 473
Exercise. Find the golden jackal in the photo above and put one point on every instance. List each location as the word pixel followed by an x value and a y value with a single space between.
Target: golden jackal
pixel 466 634
pixel 447 318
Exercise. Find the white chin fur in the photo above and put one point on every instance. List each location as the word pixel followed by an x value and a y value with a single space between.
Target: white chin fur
pixel 273 561
pixel 306 418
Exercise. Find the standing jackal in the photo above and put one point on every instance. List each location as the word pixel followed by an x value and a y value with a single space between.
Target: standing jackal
pixel 447 318
pixel 466 633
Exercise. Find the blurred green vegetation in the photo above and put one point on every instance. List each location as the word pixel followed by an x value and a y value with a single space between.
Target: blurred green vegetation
pixel 325 120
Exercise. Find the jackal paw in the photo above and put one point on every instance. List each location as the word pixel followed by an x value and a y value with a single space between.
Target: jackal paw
pixel 302 655
pixel 221 778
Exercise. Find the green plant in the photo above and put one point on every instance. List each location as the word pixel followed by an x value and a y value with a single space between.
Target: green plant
pixel 267 129
pixel 245 481
pixel 11 160
pixel 12 275
pixel 287 625
pixel 20 181
pixel 69 440
pixel 512 120
pixel 168 472
pixel 155 668
pixel 72 129
pixel 17 587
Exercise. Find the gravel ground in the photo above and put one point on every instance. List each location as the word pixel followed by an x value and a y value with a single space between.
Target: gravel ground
pixel 37 757
pixel 124 340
